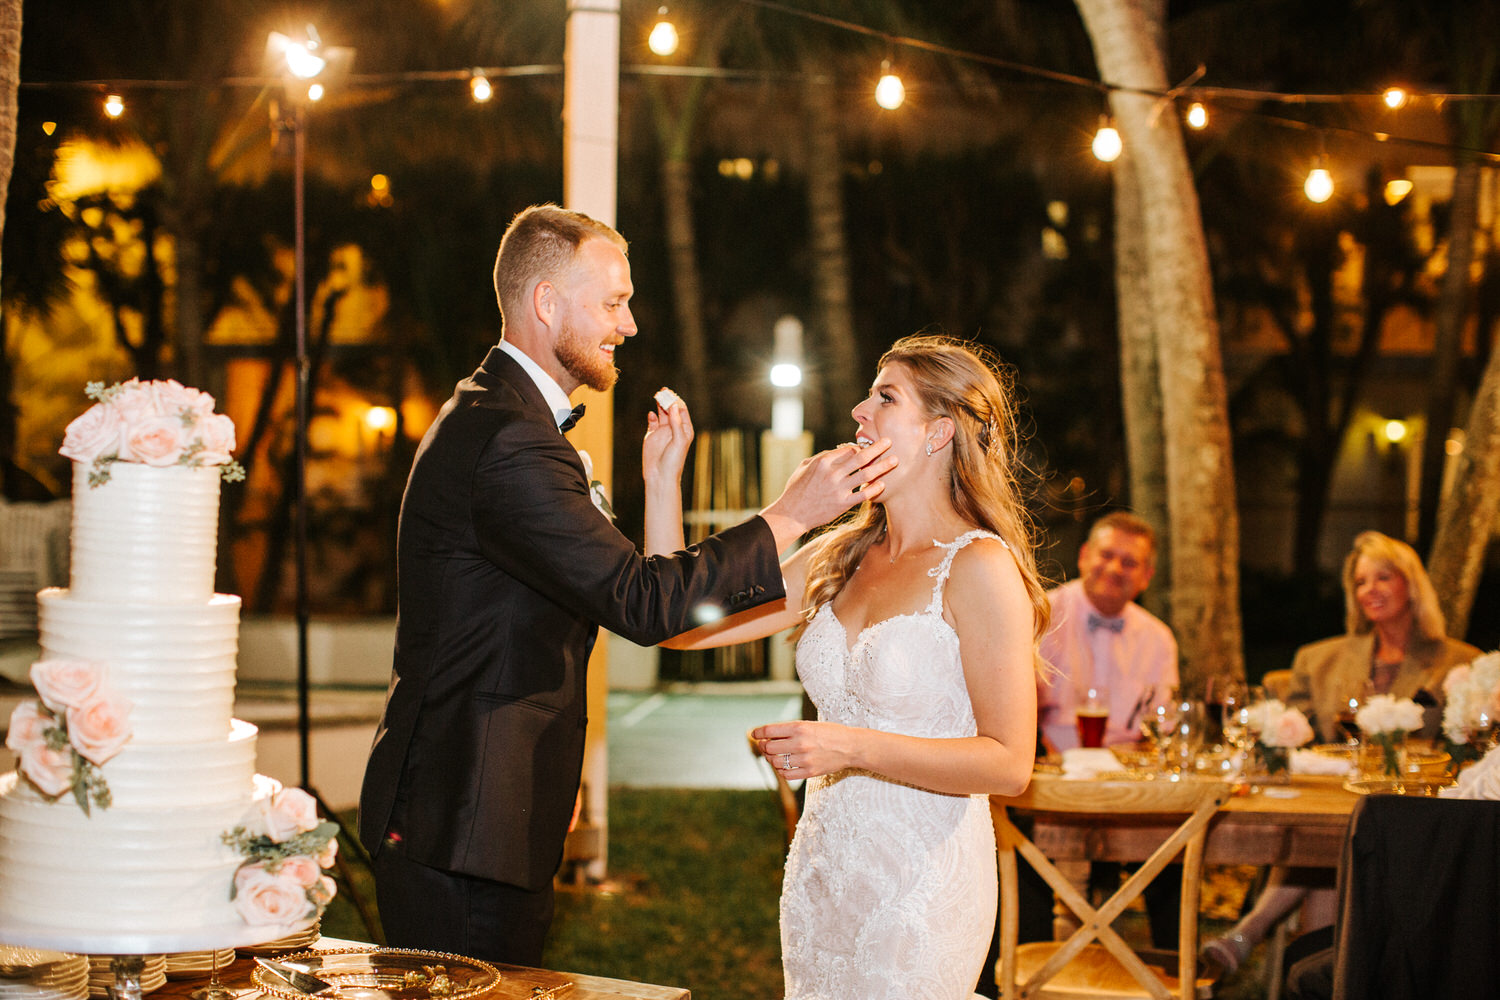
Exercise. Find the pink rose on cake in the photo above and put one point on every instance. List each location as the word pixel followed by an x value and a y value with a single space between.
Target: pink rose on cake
pixel 283 814
pixel 64 684
pixel 286 846
pixel 50 770
pixel 265 897
pixel 154 423
pixel 79 723
pixel 154 441
pixel 100 727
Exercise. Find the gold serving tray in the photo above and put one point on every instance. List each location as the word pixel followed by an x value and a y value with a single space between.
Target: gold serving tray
pixel 385 974
pixel 1387 786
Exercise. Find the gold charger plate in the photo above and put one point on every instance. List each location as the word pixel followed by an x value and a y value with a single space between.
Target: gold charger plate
pixel 1388 786
pixel 385 973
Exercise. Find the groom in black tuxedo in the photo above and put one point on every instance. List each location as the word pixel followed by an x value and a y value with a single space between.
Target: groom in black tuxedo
pixel 506 572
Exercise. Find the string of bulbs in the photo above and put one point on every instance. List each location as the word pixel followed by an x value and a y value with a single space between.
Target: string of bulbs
pixel 890 91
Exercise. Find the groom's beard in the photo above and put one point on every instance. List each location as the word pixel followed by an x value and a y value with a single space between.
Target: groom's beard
pixel 584 361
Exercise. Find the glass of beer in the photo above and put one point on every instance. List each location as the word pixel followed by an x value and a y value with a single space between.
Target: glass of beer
pixel 1092 715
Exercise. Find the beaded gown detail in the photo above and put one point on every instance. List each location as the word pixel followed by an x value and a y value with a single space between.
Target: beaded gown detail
pixel 890 889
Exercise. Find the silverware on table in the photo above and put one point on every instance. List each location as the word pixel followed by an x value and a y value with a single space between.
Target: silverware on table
pixel 297 976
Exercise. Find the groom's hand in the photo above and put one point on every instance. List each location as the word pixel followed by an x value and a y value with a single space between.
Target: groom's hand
pixel 826 485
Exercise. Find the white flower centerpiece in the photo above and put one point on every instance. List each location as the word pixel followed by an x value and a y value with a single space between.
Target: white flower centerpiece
pixel 286 847
pixel 1384 720
pixel 76 725
pixel 1278 730
pixel 1471 705
pixel 158 423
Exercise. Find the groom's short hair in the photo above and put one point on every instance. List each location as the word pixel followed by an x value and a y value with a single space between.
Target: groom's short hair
pixel 540 244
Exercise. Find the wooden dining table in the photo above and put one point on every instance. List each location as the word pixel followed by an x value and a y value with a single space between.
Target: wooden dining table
pixel 516 983
pixel 1300 823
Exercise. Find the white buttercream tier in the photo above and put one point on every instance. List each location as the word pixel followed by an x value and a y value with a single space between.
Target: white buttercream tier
pixel 176 663
pixel 141 873
pixel 148 536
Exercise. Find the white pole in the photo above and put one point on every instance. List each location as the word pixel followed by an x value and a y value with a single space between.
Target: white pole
pixel 591 115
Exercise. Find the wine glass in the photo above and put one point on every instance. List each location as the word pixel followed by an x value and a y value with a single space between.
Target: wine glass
pixel 1235 717
pixel 1187 734
pixel 1158 720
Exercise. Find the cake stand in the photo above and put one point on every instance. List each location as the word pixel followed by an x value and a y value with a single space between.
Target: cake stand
pixel 128 949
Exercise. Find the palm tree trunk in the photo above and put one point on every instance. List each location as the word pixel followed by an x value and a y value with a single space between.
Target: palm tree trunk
pixel 1203 515
pixel 1452 311
pixel 833 321
pixel 1140 378
pixel 1467 518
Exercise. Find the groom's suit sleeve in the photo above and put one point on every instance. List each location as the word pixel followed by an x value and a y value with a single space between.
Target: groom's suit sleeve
pixel 535 520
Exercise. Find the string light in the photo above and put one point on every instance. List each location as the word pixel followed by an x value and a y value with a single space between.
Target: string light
pixel 1197 115
pixel 1396 190
pixel 1319 184
pixel 1107 144
pixel 663 39
pixel 890 92
pixel 114 106
pixel 1395 98
pixel 315 92
pixel 479 86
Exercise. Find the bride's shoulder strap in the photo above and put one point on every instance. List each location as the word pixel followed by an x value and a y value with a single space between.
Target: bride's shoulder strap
pixel 942 569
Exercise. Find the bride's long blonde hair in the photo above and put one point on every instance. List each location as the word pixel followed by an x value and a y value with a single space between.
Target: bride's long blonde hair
pixel 952 379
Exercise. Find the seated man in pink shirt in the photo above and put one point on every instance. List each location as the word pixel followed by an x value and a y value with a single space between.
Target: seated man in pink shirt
pixel 1101 638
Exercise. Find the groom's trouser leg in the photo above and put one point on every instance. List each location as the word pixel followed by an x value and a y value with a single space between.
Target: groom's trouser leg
pixel 430 909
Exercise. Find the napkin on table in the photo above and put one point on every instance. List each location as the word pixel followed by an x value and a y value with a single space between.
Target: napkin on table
pixel 1083 763
pixel 1312 762
pixel 1480 780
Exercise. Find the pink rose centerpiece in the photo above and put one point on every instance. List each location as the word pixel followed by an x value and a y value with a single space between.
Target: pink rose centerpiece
pixel 286 848
pixel 1278 730
pixel 159 423
pixel 62 739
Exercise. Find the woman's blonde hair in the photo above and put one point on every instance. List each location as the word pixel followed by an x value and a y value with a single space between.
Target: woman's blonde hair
pixel 952 379
pixel 1427 614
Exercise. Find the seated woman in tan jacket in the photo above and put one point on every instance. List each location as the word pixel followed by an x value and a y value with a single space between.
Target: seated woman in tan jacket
pixel 1395 644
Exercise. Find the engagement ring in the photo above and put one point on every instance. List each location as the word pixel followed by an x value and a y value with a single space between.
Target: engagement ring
pixel 786 762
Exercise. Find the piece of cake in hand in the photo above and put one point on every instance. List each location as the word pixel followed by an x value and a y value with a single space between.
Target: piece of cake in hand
pixel 666 399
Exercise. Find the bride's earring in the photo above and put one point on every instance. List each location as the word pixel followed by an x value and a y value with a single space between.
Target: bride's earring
pixel 929 447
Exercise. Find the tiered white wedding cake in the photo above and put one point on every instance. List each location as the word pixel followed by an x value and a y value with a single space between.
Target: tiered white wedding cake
pixel 135 809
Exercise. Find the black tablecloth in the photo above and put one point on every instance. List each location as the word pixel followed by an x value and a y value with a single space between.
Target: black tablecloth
pixel 1420 910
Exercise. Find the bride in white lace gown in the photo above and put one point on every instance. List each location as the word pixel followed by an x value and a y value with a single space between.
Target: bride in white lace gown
pixel 920 618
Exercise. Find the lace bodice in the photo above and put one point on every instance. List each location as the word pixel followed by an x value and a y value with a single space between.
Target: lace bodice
pixel 890 889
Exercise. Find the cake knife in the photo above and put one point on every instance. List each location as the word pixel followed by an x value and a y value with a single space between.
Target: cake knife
pixel 300 979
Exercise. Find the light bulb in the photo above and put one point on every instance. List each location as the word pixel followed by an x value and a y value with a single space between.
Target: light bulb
pixel 1107 144
pixel 1395 431
pixel 1395 98
pixel 300 61
pixel 479 86
pixel 1396 190
pixel 114 106
pixel 315 92
pixel 1319 184
pixel 1197 115
pixel 890 92
pixel 663 39
pixel 786 375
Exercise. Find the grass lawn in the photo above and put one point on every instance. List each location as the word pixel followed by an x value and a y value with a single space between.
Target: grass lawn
pixel 691 900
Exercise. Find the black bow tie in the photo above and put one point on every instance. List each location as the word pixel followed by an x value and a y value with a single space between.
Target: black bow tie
pixel 1099 621
pixel 571 419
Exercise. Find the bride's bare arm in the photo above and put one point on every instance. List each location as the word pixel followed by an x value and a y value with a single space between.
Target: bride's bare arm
pixel 986 602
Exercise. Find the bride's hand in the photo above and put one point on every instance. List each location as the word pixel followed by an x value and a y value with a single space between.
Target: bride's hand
pixel 805 749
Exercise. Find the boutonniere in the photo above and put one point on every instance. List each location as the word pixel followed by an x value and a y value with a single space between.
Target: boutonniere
pixel 596 488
